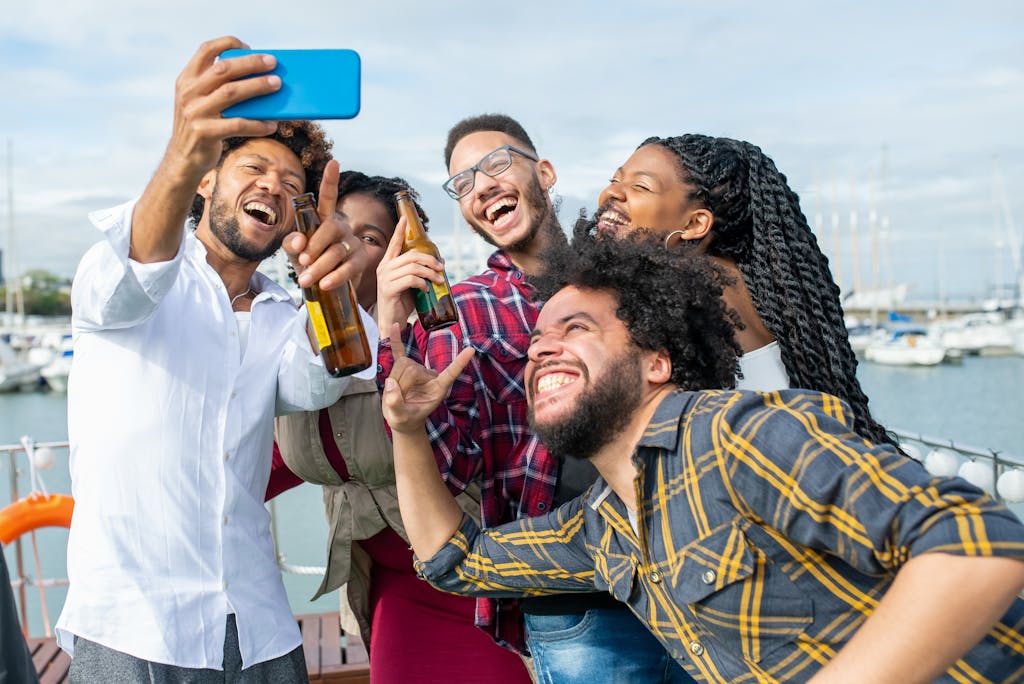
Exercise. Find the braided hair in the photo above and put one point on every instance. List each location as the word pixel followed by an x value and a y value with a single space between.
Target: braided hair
pixel 759 225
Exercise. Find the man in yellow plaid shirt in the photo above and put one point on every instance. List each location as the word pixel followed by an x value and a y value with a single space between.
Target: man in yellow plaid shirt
pixel 755 534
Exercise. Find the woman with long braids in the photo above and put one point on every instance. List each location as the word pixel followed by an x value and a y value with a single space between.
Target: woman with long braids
pixel 725 198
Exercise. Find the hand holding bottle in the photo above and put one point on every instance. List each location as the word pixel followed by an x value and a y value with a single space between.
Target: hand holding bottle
pixel 331 255
pixel 398 274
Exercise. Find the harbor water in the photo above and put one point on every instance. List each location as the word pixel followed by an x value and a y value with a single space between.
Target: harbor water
pixel 979 403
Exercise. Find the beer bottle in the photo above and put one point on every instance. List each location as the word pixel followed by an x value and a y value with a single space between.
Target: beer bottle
pixel 435 307
pixel 334 316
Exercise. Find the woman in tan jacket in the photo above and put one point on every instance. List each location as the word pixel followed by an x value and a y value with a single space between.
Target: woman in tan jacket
pixel 414 632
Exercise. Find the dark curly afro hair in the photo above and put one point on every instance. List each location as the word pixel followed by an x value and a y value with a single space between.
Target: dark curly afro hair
pixel 305 138
pixel 666 301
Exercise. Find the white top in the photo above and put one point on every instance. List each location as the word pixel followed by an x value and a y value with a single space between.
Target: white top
pixel 171 428
pixel 763 370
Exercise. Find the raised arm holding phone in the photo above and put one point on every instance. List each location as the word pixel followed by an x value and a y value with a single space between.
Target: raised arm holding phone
pixel 183 355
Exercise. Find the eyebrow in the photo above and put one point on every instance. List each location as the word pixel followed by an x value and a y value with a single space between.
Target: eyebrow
pixel 366 226
pixel 565 319
pixel 377 229
pixel 269 162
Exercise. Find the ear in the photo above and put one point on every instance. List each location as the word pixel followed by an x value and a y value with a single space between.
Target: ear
pixel 657 367
pixel 699 225
pixel 547 174
pixel 206 185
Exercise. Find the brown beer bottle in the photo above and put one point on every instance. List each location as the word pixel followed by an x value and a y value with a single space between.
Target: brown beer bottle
pixel 333 314
pixel 435 307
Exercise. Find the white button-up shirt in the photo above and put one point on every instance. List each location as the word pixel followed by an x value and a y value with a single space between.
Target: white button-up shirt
pixel 171 428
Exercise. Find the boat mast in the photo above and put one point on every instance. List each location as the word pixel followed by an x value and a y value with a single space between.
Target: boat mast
pixel 12 281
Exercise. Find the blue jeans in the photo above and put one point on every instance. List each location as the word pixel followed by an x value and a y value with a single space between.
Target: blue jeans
pixel 601 645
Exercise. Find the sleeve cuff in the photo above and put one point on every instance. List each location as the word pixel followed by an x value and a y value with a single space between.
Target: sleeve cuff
pixel 451 554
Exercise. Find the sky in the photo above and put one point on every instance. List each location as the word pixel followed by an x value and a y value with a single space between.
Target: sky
pixel 912 111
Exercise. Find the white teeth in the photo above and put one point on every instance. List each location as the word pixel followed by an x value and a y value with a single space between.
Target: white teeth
pixel 261 207
pixel 614 217
pixel 554 381
pixel 501 204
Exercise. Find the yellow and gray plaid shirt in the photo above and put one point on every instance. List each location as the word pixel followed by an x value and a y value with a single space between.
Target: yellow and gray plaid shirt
pixel 768 532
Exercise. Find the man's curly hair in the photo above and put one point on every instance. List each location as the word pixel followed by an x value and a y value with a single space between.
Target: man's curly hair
pixel 305 138
pixel 666 301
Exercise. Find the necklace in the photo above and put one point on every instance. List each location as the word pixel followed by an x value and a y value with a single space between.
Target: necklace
pixel 248 291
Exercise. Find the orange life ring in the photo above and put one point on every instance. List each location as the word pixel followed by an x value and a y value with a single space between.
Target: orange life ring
pixel 34 511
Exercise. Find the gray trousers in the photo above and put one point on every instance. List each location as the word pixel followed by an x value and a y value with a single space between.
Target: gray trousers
pixel 96 664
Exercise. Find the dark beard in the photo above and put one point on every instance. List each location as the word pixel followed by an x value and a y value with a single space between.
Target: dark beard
pixel 601 413
pixel 224 227
pixel 535 197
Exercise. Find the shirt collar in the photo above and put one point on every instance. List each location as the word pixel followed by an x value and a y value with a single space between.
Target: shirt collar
pixel 260 283
pixel 501 262
pixel 663 430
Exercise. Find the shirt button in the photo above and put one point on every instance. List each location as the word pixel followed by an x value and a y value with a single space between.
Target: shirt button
pixel 655 576
pixel 227 455
pixel 339 434
pixel 695 648
pixel 225 585
pixel 541 506
pixel 225 520
pixel 709 577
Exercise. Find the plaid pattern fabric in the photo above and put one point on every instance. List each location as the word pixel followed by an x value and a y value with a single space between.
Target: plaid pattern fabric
pixel 481 431
pixel 768 532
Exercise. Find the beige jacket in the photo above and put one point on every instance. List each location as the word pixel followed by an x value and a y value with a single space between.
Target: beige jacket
pixel 361 507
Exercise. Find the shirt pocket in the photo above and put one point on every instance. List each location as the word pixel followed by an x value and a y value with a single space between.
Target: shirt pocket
pixel 739 596
pixel 502 361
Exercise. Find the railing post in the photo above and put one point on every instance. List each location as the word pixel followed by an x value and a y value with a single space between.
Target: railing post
pixel 19 560
pixel 995 477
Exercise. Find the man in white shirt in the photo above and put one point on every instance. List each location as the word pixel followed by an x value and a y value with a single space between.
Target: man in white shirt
pixel 183 355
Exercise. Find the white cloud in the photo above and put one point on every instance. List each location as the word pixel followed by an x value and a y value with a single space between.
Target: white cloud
pixel 820 87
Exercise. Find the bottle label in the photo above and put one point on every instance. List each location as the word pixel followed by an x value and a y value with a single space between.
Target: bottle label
pixel 425 301
pixel 316 317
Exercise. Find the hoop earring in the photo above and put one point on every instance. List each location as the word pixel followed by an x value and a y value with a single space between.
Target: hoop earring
pixel 674 233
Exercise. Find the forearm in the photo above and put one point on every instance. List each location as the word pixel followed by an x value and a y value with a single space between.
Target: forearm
pixel 429 512
pixel 937 609
pixel 160 214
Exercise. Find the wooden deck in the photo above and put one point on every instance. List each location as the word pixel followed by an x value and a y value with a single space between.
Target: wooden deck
pixel 330 655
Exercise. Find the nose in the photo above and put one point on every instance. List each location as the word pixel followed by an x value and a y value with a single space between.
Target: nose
pixel 543 347
pixel 483 184
pixel 612 191
pixel 270 182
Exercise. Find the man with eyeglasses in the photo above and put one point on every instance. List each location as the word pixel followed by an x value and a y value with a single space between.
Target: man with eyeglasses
pixel 481 431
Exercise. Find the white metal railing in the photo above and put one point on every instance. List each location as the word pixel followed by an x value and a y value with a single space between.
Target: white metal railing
pixel 20 580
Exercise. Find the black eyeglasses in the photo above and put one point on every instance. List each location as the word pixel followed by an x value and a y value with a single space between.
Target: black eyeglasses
pixel 494 163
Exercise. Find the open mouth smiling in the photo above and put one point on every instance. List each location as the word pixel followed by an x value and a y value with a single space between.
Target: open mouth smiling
pixel 553 381
pixel 500 213
pixel 612 220
pixel 262 212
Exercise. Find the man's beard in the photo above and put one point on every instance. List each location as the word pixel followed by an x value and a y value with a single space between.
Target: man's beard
pixel 602 411
pixel 536 199
pixel 224 227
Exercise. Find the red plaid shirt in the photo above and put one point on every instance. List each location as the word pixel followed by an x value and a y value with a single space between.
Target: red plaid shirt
pixel 481 432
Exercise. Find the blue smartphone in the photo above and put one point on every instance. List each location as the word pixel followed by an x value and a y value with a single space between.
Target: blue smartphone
pixel 315 84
